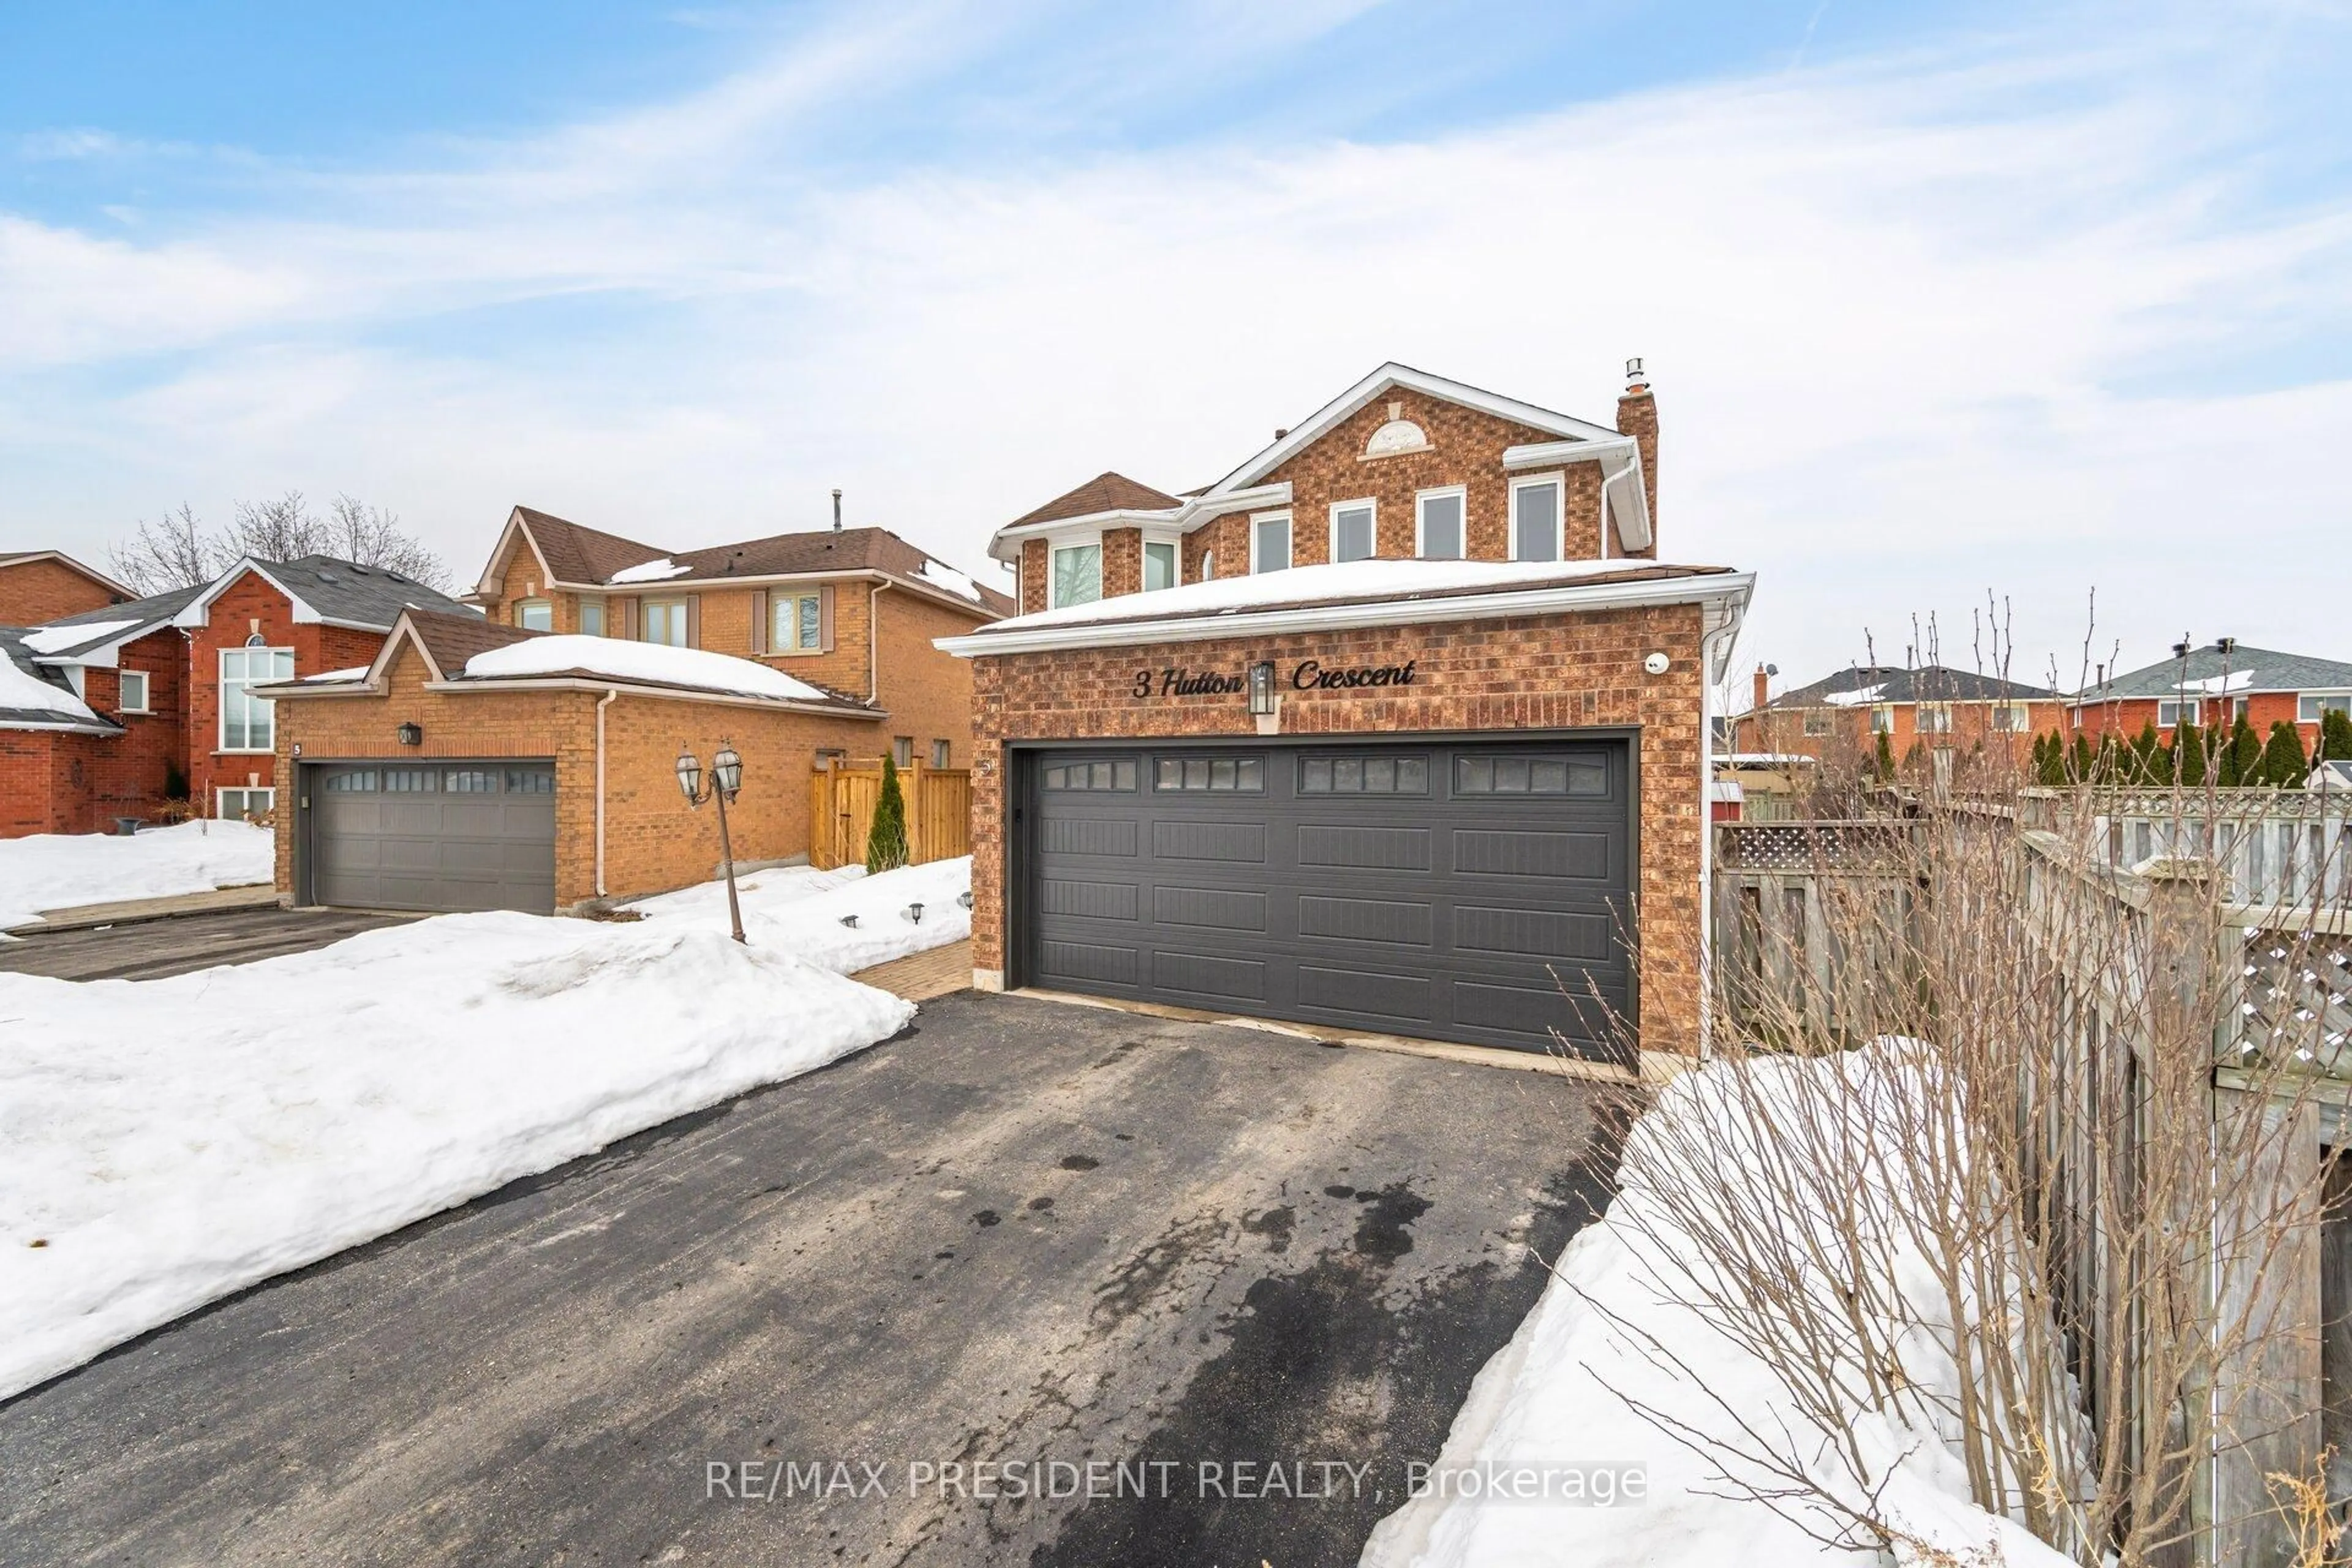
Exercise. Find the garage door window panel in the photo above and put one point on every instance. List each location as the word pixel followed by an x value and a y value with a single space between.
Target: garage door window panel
pixel 1217 775
pixel 1117 776
pixel 1363 775
pixel 1508 775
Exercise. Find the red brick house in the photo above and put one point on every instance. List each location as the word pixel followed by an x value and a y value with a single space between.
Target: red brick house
pixel 1942 712
pixel 39 585
pixel 117 710
pixel 2211 686
pixel 1399 727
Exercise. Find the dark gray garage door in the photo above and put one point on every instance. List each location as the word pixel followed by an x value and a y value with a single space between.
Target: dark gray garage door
pixel 442 835
pixel 1448 892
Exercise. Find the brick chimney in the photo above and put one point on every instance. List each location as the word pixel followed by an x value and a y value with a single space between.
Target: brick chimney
pixel 1637 416
pixel 1762 686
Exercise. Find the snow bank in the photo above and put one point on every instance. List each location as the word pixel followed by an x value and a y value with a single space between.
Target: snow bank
pixel 57 639
pixel 1558 1393
pixel 29 693
pixel 58 870
pixel 173 1141
pixel 782 908
pixel 688 667
pixel 1344 580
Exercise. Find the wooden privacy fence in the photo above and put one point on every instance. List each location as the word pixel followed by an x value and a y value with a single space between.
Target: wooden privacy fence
pixel 842 798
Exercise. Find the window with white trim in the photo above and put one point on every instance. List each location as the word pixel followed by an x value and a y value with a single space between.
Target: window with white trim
pixel 1353 532
pixel 666 622
pixel 2315 709
pixel 1440 523
pixel 1934 719
pixel 131 691
pixel 236 805
pixel 1077 573
pixel 535 614
pixel 796 623
pixel 902 750
pixel 2013 716
pixel 1270 543
pixel 1159 564
pixel 1882 719
pixel 591 617
pixel 1535 520
pixel 2170 710
pixel 249 723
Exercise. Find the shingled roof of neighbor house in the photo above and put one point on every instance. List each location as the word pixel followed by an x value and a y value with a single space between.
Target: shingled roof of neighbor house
pixel 1872 683
pixel 31 698
pixel 56 641
pixel 2210 672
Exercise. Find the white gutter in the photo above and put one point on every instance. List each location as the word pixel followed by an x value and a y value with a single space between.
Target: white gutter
pixel 606 701
pixel 1728 587
pixel 1544 454
pixel 675 693
pixel 874 641
pixel 1715 654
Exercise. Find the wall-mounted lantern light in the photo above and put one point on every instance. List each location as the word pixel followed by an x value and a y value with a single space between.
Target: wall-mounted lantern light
pixel 412 734
pixel 1261 689
pixel 726 781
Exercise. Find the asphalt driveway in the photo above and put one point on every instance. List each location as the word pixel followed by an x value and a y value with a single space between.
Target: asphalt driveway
pixel 1023 1234
pixel 177 944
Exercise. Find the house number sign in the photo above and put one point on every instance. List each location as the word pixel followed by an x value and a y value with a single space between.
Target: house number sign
pixel 1307 675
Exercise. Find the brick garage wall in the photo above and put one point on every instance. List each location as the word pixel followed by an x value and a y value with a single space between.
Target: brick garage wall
pixel 32 592
pixel 1465 447
pixel 653 842
pixel 37 794
pixel 1558 672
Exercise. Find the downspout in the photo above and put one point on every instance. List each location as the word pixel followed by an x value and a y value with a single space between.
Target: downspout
pixel 603 704
pixel 1708 643
pixel 874 643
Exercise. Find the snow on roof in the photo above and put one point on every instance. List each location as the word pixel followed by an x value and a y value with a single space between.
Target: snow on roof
pixel 948 577
pixel 658 663
pixel 1373 579
pixel 57 639
pixel 2216 685
pixel 23 693
pixel 650 572
pixel 1858 698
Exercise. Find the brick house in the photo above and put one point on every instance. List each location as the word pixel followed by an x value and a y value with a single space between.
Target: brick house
pixel 157 706
pixel 852 610
pixel 1946 713
pixel 476 765
pixel 1401 726
pixel 2214 686
pixel 37 587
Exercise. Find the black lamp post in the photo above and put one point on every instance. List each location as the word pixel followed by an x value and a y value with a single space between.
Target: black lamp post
pixel 726 782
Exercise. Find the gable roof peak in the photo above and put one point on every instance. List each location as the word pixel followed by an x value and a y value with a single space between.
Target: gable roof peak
pixel 1107 491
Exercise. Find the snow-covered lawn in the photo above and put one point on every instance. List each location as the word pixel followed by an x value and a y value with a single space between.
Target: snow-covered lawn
pixel 57 870
pixel 1557 1394
pixel 164 1143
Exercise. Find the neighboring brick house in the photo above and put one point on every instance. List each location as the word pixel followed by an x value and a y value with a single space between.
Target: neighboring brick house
pixel 475 765
pixel 37 587
pixel 852 610
pixel 1946 713
pixel 160 710
pixel 2211 686
pixel 1400 726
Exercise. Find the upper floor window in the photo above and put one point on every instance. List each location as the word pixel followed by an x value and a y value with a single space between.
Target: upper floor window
pixel 131 691
pixel 666 622
pixel 1882 719
pixel 591 617
pixel 535 614
pixel 1821 722
pixel 1158 566
pixel 2171 711
pixel 1351 531
pixel 2315 709
pixel 797 623
pixel 1535 520
pixel 2014 717
pixel 1934 718
pixel 1270 543
pixel 249 723
pixel 1438 523
pixel 1078 575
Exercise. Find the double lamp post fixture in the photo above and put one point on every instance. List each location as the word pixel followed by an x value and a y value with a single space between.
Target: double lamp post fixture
pixel 726 781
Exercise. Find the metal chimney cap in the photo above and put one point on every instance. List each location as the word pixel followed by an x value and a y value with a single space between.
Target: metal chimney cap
pixel 1633 375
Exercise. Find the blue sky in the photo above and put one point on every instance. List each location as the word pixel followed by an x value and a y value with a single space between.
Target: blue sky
pixel 1943 301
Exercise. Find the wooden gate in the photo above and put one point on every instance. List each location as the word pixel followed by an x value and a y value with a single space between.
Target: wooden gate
pixel 841 811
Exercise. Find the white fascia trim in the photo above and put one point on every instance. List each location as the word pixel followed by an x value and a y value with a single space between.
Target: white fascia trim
pixel 198 611
pixel 1724 593
pixel 671 693
pixel 498 550
pixel 105 655
pixel 1391 376
pixel 1005 544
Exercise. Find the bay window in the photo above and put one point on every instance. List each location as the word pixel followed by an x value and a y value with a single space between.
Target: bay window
pixel 1159 564
pixel 1078 575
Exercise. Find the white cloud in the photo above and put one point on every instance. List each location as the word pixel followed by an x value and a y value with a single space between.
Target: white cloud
pixel 1894 310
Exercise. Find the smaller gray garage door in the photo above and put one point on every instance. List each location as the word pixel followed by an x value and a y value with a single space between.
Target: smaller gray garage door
pixel 437 835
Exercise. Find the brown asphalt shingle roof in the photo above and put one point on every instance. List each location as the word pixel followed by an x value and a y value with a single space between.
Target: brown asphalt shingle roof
pixel 579 554
pixel 451 640
pixel 1103 492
